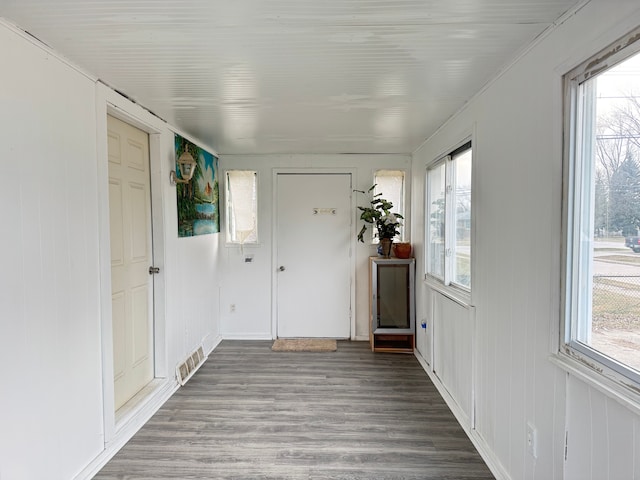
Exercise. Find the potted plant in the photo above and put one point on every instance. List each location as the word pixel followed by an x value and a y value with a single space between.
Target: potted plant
pixel 379 213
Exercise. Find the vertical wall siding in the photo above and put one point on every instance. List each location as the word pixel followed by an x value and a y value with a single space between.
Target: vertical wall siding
pixel 195 299
pixel 50 401
pixel 424 341
pixel 604 440
pixel 452 337
pixel 517 125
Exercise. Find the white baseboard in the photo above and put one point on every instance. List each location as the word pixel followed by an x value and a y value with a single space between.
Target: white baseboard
pixel 210 342
pixel 216 342
pixel 267 336
pixel 130 427
pixel 248 336
pixel 484 450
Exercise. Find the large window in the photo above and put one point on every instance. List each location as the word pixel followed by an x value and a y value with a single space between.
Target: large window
pixel 448 221
pixel 390 184
pixel 602 210
pixel 242 206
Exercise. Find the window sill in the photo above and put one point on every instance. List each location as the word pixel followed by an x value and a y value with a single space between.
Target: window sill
pixel 611 384
pixel 458 295
pixel 242 245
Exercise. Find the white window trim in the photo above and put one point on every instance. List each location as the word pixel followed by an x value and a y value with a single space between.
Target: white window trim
pixel 595 369
pixel 228 242
pixel 446 286
pixel 405 204
pixel 435 279
pixel 452 291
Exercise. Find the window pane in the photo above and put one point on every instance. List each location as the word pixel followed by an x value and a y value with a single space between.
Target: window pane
pixel 390 183
pixel 242 206
pixel 436 220
pixel 607 316
pixel 462 219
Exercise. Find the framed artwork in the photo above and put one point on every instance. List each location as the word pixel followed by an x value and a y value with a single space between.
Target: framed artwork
pixel 198 200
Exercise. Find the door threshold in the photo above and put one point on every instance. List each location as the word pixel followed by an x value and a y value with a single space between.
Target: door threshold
pixel 130 409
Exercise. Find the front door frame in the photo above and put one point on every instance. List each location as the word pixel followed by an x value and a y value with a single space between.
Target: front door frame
pixel 109 102
pixel 274 241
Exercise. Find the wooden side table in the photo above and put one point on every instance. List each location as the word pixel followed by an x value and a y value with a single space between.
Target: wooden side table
pixel 392 304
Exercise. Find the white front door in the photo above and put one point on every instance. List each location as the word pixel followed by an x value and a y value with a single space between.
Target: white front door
pixel 131 257
pixel 313 239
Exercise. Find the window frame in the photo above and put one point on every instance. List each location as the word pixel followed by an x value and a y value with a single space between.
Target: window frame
pixel 447 281
pixel 403 211
pixel 227 202
pixel 440 163
pixel 604 372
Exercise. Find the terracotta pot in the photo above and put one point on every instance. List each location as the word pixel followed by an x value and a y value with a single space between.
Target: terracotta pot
pixel 402 250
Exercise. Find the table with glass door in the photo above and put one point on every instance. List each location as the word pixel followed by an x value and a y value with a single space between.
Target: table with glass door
pixel 392 304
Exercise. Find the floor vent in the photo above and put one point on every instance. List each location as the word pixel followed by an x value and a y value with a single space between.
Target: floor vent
pixel 186 369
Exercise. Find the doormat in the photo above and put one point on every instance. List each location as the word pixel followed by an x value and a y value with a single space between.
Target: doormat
pixel 304 345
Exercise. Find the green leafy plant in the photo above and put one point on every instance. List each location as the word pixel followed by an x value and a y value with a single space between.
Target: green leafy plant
pixel 379 213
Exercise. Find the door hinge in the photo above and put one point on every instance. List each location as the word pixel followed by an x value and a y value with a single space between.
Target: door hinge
pixel 566 445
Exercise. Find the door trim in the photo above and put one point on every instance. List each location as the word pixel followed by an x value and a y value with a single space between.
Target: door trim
pixel 274 240
pixel 109 102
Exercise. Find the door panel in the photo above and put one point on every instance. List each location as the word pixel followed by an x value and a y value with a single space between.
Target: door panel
pixel 131 256
pixel 137 156
pixel 140 330
pixel 118 309
pixel 139 241
pixel 313 246
pixel 115 214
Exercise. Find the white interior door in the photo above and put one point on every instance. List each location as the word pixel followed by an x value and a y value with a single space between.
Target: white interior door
pixel 131 257
pixel 313 238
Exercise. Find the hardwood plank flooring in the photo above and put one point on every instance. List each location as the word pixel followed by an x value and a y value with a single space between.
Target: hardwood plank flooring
pixel 250 413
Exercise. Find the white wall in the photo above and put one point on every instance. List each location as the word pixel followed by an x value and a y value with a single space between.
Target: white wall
pixel 192 273
pixel 248 285
pixel 49 333
pixel 53 255
pixel 517 132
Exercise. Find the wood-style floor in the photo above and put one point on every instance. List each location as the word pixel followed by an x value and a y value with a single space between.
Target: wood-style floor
pixel 250 413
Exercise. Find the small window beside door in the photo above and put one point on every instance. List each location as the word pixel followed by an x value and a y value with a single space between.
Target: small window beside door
pixel 390 185
pixel 242 206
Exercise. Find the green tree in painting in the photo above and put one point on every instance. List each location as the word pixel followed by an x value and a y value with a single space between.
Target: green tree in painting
pixel 198 200
pixel 184 191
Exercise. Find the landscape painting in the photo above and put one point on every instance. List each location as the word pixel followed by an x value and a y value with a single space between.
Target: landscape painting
pixel 198 200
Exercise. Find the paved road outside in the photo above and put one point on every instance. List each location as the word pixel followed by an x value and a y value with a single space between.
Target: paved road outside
pixel 618 334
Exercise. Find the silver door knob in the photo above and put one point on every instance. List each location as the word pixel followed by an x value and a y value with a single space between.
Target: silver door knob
pixel 282 269
pixel 153 270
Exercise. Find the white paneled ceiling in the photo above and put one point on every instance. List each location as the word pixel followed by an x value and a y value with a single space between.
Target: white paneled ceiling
pixel 293 76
